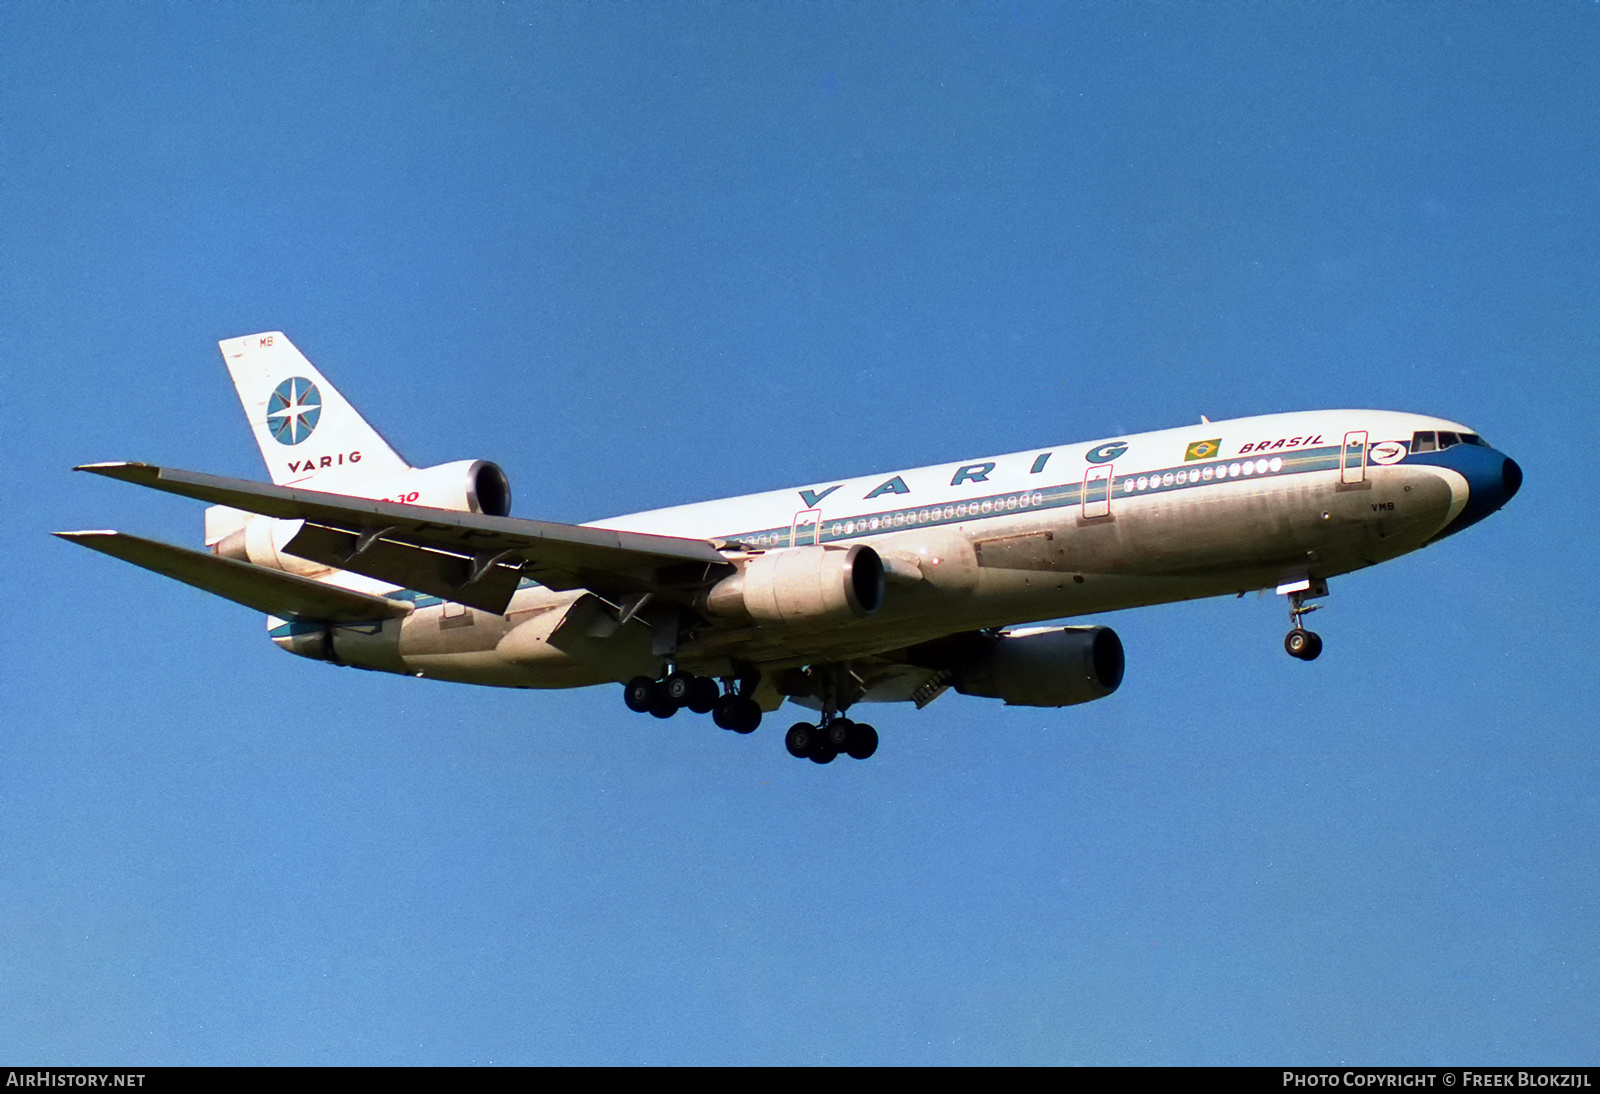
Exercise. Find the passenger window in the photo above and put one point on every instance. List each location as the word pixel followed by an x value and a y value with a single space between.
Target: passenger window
pixel 1447 439
pixel 1423 441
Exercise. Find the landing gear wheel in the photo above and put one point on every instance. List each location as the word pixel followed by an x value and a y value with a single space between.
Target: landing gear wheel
pixel 1304 644
pixel 863 741
pixel 824 753
pixel 836 734
pixel 678 687
pixel 663 707
pixel 640 694
pixel 749 717
pixel 800 739
pixel 736 712
pixel 702 695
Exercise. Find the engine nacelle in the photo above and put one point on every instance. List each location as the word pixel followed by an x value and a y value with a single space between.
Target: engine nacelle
pixel 814 586
pixel 472 486
pixel 468 486
pixel 261 540
pixel 1043 667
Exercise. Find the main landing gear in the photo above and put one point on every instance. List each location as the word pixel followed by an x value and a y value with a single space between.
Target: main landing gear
pixel 733 707
pixel 821 744
pixel 1299 642
pixel 700 694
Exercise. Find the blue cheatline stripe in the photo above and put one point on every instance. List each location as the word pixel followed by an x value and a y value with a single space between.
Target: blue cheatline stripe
pixel 1186 476
pixel 421 600
pixel 289 630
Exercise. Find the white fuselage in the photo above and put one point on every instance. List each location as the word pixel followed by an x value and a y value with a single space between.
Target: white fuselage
pixel 1203 510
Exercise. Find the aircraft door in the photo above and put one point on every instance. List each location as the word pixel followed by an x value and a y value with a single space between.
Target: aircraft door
pixel 1353 458
pixel 807 528
pixel 1097 492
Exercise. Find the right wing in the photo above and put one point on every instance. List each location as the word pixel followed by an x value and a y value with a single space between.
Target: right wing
pixel 470 558
pixel 271 591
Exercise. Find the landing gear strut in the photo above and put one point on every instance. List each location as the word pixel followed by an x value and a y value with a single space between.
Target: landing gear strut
pixel 1299 642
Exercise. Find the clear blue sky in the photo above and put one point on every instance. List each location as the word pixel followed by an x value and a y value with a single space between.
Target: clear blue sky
pixel 656 253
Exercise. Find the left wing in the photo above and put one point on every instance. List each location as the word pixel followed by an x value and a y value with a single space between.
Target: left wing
pixel 470 558
pixel 287 596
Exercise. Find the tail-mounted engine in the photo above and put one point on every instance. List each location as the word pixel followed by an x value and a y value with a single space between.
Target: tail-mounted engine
pixel 467 486
pixel 470 486
pixel 814 586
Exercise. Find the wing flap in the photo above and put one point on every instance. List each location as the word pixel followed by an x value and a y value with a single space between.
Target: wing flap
pixel 448 576
pixel 273 592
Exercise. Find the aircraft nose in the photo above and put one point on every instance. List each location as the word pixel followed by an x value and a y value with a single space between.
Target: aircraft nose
pixel 1493 478
pixel 1510 479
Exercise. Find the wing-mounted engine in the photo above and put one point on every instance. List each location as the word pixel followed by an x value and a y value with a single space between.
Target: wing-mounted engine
pixel 248 537
pixel 1036 667
pixel 817 586
pixel 468 486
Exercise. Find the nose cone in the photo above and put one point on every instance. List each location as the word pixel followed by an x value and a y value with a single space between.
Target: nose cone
pixel 1510 480
pixel 1493 478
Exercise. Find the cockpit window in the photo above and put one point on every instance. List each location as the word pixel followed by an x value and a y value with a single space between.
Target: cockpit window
pixel 1427 440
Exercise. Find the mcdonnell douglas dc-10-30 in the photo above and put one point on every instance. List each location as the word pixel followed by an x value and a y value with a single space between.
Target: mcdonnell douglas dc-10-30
pixel 881 588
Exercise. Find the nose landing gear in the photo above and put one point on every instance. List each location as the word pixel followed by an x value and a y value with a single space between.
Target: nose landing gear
pixel 1299 642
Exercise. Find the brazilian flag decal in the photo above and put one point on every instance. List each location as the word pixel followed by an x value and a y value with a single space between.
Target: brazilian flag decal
pixel 1202 450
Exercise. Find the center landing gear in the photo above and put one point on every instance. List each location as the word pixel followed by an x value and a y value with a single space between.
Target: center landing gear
pixel 836 686
pixel 1299 642
pixel 822 744
pixel 664 698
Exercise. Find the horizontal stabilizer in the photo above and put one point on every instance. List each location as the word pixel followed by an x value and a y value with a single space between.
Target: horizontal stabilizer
pixel 271 591
pixel 560 556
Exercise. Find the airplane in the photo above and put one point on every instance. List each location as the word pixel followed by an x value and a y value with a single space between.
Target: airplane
pixel 891 587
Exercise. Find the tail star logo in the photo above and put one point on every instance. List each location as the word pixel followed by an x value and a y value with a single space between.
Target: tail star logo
pixel 293 410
